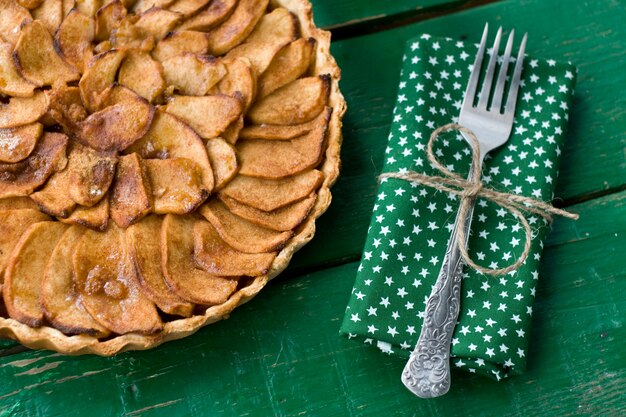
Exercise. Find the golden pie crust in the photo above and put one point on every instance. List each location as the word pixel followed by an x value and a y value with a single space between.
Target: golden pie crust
pixel 46 337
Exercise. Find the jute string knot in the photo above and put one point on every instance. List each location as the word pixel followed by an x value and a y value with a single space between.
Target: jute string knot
pixel 472 188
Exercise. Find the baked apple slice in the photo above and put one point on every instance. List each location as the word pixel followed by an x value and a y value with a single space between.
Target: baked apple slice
pixel 260 55
pixel 88 7
pixel 206 19
pixel 177 43
pixel 143 242
pixel 208 115
pixel 106 282
pixel 297 102
pixel 281 158
pixel 280 26
pixel 90 174
pixel 241 234
pixel 25 270
pixel 36 58
pixel 59 301
pixel 12 15
pixel 21 111
pixel 158 22
pixel 288 64
pixel 100 75
pixel 239 81
pixel 53 198
pixel 108 18
pixel 29 4
pixel 66 107
pixel 22 178
pixel 176 184
pixel 282 219
pixel 13 223
pixel 50 12
pixel 131 194
pixel 143 75
pixel 193 75
pixel 169 137
pixel 231 133
pixel 95 217
pixel 11 82
pixel 125 119
pixel 237 27
pixel 179 268
pixel 17 203
pixel 223 159
pixel 18 142
pixel 188 7
pixel 269 195
pixel 216 257
pixel 74 39
pixel 280 132
pixel 141 6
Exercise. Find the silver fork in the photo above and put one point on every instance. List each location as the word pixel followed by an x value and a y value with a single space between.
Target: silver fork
pixel 427 372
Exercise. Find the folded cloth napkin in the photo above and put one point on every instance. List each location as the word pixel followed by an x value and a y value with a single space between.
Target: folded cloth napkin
pixel 411 223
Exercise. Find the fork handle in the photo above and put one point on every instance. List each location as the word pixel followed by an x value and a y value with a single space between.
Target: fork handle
pixel 427 372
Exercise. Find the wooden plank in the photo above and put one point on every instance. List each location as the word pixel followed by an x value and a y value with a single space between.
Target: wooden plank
pixel 281 355
pixel 338 13
pixel 593 159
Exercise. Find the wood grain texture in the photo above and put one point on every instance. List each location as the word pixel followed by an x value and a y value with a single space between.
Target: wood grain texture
pixel 280 355
pixel 590 34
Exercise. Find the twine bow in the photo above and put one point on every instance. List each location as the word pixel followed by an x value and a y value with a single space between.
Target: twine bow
pixel 468 190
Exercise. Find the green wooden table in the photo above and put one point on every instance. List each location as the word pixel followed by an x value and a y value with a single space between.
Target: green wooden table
pixel 281 354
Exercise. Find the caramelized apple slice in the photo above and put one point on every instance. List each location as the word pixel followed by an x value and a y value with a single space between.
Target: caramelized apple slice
pixel 231 133
pixel 143 242
pixel 193 74
pixel 281 158
pixel 281 220
pixel 237 27
pixel 99 75
pixel 269 195
pixel 279 27
pixel 177 43
pixel 131 195
pixel 74 38
pixel 18 142
pixel 176 184
pixel 58 300
pixel 88 7
pixel 25 270
pixel 280 132
pixel 22 178
pixel 37 60
pixel 17 203
pixel 126 119
pixel 141 6
pixel 13 223
pixel 188 7
pixel 239 80
pixel 297 102
pixel 12 15
pixel 108 18
pixel 50 12
pixel 223 160
pixel 211 16
pixel 259 54
pixel 216 257
pixel 53 198
pixel 29 4
pixel 106 281
pixel 289 63
pixel 21 111
pixel 143 75
pixel 208 115
pixel 90 174
pixel 11 82
pixel 179 269
pixel 95 217
pixel 158 22
pixel 66 107
pixel 241 234
pixel 168 137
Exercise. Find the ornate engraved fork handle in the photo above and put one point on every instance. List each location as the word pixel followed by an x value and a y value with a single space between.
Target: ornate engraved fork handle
pixel 427 372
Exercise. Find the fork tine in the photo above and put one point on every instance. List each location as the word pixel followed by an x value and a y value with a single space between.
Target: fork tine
pixel 498 93
pixel 470 92
pixel 509 109
pixel 491 68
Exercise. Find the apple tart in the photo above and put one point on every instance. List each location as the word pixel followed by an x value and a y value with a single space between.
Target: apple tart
pixel 160 162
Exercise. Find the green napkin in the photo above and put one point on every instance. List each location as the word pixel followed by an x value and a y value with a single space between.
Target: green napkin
pixel 411 223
